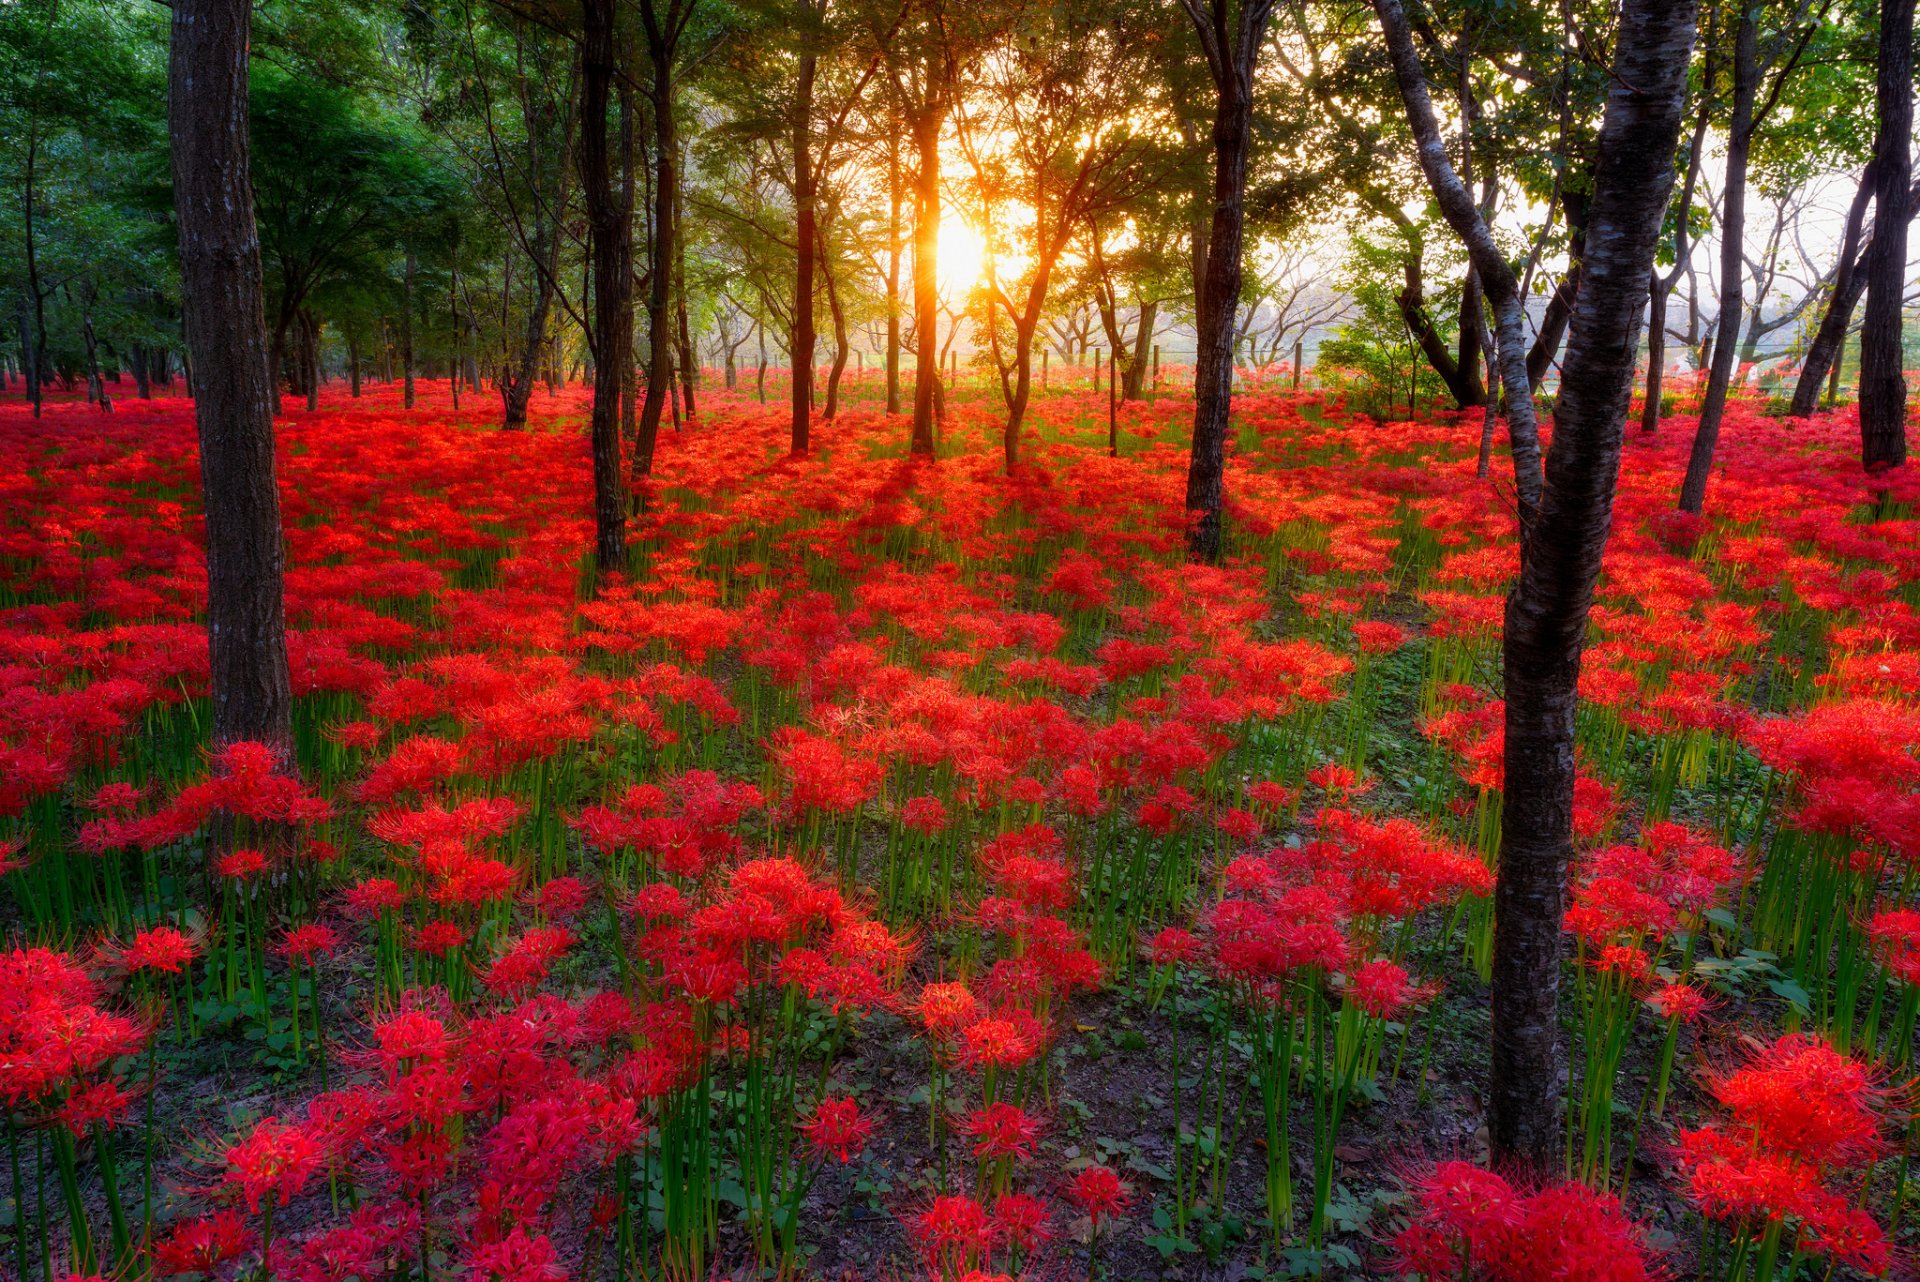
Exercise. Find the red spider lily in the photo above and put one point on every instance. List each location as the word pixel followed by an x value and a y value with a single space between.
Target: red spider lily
pixel 202 1245
pixel 273 1162
pixel 307 944
pixel 1383 989
pixel 1799 1113
pixel 1099 1192
pixel 161 949
pixel 954 1233
pixel 1473 1224
pixel 837 1129
pixel 1001 1132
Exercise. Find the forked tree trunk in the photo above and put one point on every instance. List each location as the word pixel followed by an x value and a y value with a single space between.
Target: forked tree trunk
pixel 1231 54
pixel 1546 617
pixel 610 249
pixel 1490 265
pixel 1849 282
pixel 222 305
pixel 1883 388
pixel 1733 264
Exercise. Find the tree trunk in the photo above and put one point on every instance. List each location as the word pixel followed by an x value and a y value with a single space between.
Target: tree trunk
pixel 1883 388
pixel 36 296
pixel 685 357
pixel 895 197
pixel 806 246
pixel 310 359
pixel 1733 227
pixel 221 297
pixel 841 347
pixel 406 332
pixel 1849 282
pixel 1661 289
pixel 1230 59
pixel 1490 265
pixel 1412 303
pixel 610 248
pixel 1546 617
pixel 661 57
pixel 926 282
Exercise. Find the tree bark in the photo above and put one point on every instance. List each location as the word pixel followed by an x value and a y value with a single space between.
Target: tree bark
pixel 1849 282
pixel 1231 56
pixel 36 296
pixel 406 332
pixel 686 358
pixel 1546 616
pixel 841 347
pixel 926 281
pixel 663 29
pixel 800 349
pixel 1883 388
pixel 1733 228
pixel 221 294
pixel 895 198
pixel 1490 265
pixel 1660 290
pixel 610 249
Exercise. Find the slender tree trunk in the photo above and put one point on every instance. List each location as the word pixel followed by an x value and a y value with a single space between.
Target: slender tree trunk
pixel 36 296
pixel 1849 282
pixel 1231 57
pixel 96 385
pixel 687 358
pixel 221 296
pixel 1546 617
pixel 1883 387
pixel 610 248
pixel 806 246
pixel 661 57
pixel 406 332
pixel 1490 265
pixel 1661 289
pixel 629 370
pixel 841 347
pixel 310 359
pixel 1733 229
pixel 142 380
pixel 926 281
pixel 895 246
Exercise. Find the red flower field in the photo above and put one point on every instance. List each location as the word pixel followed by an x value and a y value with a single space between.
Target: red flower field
pixel 915 872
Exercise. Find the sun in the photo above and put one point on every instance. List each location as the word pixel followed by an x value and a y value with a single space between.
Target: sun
pixel 963 257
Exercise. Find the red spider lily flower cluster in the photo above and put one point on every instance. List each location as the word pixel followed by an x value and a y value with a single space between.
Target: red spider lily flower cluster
pixel 1473 1224
pixel 1799 1114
